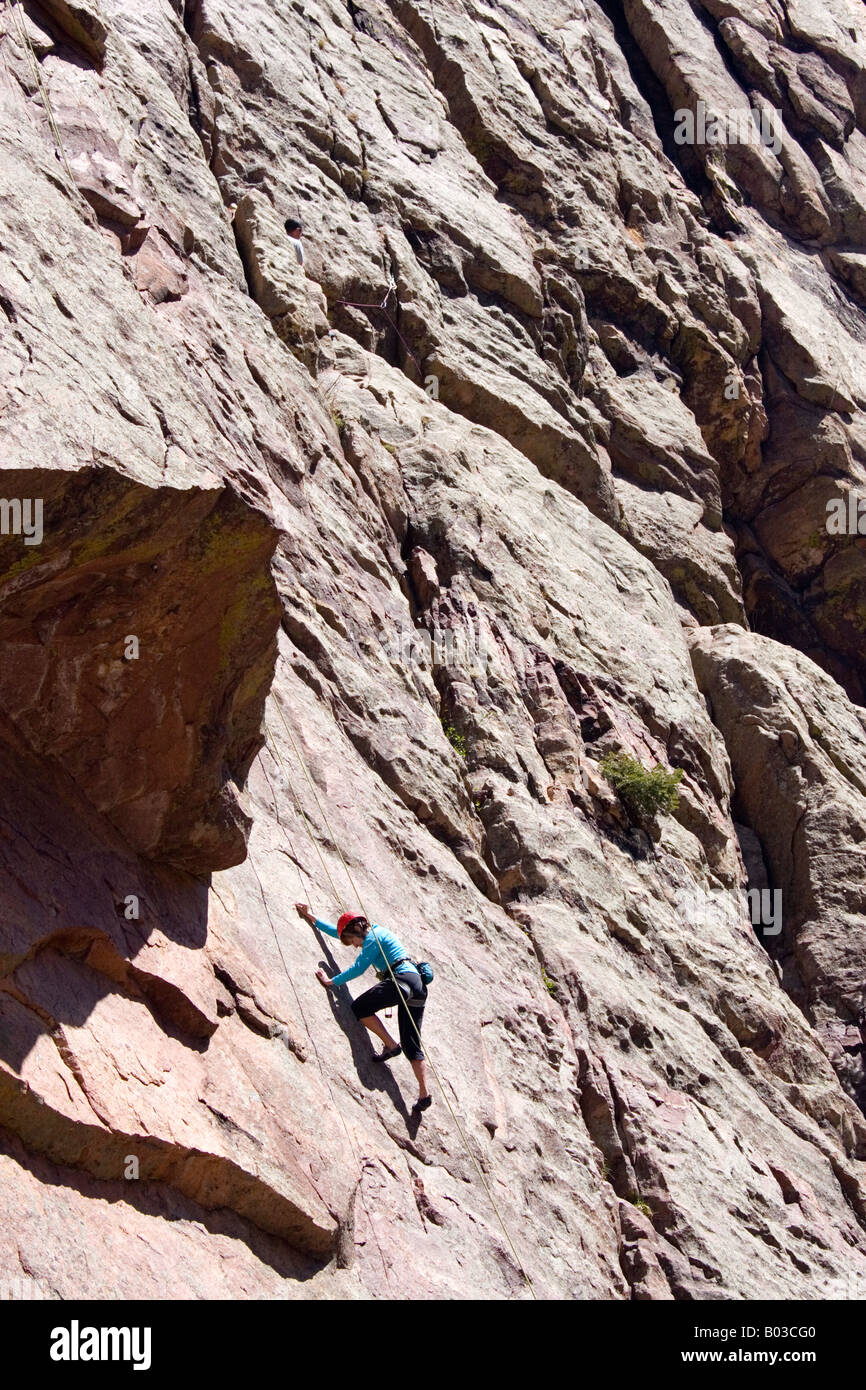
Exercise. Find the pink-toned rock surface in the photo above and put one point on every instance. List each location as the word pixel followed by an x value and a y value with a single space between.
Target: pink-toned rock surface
pixel 549 399
pixel 144 619
pixel 798 754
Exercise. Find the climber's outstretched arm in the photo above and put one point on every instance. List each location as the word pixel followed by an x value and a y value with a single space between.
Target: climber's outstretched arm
pixel 304 912
pixel 307 916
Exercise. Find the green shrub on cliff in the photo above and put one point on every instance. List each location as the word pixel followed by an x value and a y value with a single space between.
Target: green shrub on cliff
pixel 643 792
pixel 457 741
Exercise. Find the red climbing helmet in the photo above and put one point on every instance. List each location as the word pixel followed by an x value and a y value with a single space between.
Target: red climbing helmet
pixel 346 919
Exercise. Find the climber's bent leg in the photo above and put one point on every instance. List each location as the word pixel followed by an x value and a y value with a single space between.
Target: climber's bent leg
pixel 364 1008
pixel 380 1030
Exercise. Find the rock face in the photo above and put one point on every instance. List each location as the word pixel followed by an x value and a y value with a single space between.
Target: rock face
pixel 798 756
pixel 139 642
pixel 526 460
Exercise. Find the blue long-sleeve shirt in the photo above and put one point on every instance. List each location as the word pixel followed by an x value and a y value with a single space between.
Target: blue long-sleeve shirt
pixel 380 946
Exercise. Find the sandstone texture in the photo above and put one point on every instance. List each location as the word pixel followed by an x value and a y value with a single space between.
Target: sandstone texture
pixel 527 461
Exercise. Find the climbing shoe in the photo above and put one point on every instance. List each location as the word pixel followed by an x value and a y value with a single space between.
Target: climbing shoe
pixel 390 1054
pixel 423 1104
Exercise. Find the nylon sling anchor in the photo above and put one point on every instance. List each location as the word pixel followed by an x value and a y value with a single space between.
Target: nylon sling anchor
pixel 338 899
pixel 380 309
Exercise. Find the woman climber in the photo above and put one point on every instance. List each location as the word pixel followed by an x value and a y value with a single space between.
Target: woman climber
pixel 381 948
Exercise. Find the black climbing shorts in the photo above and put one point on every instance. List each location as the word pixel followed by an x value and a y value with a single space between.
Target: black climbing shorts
pixel 386 995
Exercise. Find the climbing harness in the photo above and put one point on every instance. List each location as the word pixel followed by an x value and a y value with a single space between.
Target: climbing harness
pixel 337 898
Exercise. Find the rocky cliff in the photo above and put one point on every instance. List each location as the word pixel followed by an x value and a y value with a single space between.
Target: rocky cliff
pixel 529 460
